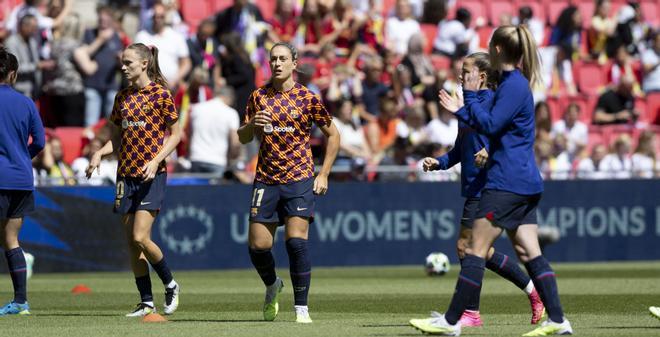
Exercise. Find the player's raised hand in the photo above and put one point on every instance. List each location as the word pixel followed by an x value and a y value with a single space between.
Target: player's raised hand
pixel 450 102
pixel 481 158
pixel 472 82
pixel 430 164
pixel 94 164
pixel 262 118
pixel 149 170
pixel 321 184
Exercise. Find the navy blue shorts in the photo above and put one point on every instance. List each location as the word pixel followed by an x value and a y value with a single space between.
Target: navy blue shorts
pixel 16 203
pixel 508 210
pixel 469 212
pixel 274 203
pixel 133 194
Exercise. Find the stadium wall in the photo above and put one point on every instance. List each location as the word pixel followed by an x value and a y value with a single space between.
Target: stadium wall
pixel 205 227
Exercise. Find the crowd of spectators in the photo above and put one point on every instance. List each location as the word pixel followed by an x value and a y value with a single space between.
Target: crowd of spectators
pixel 377 64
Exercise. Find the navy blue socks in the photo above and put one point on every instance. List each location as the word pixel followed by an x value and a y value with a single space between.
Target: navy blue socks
pixel 468 286
pixel 163 271
pixel 262 260
pixel 18 272
pixel 144 287
pixel 509 269
pixel 300 269
pixel 546 284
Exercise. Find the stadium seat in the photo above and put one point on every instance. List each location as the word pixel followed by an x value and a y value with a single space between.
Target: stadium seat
pixel 194 12
pixel 496 8
pixel 595 138
pixel 589 76
pixel 429 30
pixel 586 9
pixel 485 33
pixel 267 8
pixel 556 111
pixel 440 62
pixel 653 108
pixel 388 7
pixel 554 9
pixel 72 142
pixel 651 12
pixel 217 5
pixel 640 105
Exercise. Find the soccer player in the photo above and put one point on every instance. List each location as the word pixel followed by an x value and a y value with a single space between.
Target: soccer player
pixel 281 113
pixel 19 120
pixel 513 182
pixel 471 150
pixel 144 111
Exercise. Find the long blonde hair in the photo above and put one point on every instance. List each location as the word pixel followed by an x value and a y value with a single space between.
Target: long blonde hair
pixel 517 46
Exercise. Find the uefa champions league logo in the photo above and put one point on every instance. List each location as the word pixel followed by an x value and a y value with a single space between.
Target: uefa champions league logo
pixel 186 245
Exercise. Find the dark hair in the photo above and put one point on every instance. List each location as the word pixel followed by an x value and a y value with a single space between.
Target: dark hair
pixel 463 14
pixel 482 62
pixel 150 54
pixel 565 22
pixel 232 41
pixel 24 18
pixel 8 63
pixel 292 49
pixel 525 13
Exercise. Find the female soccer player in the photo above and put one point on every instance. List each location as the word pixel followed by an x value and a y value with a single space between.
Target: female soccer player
pixel 19 119
pixel 281 113
pixel 471 150
pixel 513 182
pixel 144 111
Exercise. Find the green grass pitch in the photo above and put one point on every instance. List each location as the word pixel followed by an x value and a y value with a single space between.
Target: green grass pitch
pixel 608 299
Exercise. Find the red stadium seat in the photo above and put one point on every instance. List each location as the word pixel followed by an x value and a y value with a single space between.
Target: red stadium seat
pixel 640 106
pixel 485 33
pixel 267 8
pixel 590 77
pixel 653 108
pixel 194 12
pixel 72 142
pixel 429 30
pixel 595 137
pixel 554 9
pixel 554 106
pixel 440 62
pixel 651 12
pixel 586 9
pixel 217 5
pixel 388 7
pixel 497 8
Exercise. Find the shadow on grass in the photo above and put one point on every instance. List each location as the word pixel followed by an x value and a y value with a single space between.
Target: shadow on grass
pixel 225 321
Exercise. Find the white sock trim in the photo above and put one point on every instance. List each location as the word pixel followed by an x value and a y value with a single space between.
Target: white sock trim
pixel 172 284
pixel 150 303
pixel 529 288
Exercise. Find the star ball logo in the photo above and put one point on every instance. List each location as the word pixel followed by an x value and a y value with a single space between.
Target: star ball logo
pixel 186 245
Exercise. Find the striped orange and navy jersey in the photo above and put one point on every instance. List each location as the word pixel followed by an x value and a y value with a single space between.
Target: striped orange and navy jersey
pixel 285 155
pixel 143 116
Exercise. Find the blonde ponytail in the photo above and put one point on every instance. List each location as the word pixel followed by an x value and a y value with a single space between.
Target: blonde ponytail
pixel 531 64
pixel 517 46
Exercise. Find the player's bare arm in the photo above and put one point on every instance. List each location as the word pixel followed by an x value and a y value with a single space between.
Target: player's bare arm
pixel 107 149
pixel 331 150
pixel 246 131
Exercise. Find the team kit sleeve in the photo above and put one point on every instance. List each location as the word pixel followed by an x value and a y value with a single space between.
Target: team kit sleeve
pixel 494 121
pixel 36 131
pixel 251 107
pixel 452 157
pixel 168 109
pixel 320 114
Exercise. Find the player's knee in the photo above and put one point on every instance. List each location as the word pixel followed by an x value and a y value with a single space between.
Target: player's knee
pixel 461 245
pixel 260 244
pixel 522 253
pixel 140 241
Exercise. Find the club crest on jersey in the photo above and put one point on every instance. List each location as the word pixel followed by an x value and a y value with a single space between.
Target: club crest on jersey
pixel 294 114
pixel 253 211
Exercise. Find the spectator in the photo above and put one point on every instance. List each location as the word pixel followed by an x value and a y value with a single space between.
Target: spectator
pixel 560 163
pixel 371 32
pixel 602 28
pixel 196 91
pixel 419 65
pixel 103 46
pixel 237 70
pixel 31 7
pixel 414 129
pixel 24 45
pixel 536 26
pixel 543 120
pixel 214 141
pixel 353 146
pixel 644 164
pixel 173 54
pixel 64 83
pixel 284 23
pixel 373 89
pixel 435 151
pixel 324 65
pixel 651 65
pixel 455 36
pixel 204 51
pixel 400 27
pixel 430 95
pixel 107 174
pixel 344 84
pixel 543 153
pixel 592 167
pixel 444 129
pixel 618 163
pixel 575 132
pixel 381 134
pixel 631 30
pixel 245 19
pixel 566 32
pixel 624 65
pixel 304 73
pixel 434 11
pixel 559 81
pixel 616 106
pixel 59 172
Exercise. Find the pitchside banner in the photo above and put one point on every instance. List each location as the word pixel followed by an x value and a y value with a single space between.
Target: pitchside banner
pixel 202 227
